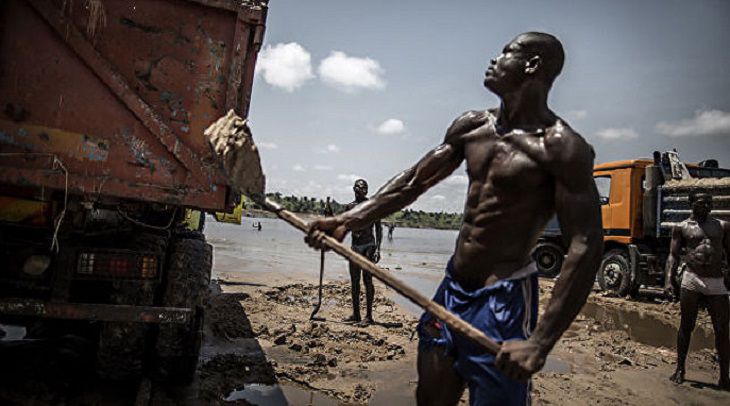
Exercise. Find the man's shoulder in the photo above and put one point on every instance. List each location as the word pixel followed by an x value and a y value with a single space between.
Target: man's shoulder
pixel 564 145
pixel 469 121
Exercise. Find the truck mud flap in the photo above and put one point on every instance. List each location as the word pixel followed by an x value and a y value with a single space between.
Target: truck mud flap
pixel 634 258
pixel 97 312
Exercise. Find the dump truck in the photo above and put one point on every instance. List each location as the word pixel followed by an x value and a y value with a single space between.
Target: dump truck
pixel 105 171
pixel 641 201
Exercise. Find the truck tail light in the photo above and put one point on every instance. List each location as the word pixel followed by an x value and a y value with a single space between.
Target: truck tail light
pixel 115 265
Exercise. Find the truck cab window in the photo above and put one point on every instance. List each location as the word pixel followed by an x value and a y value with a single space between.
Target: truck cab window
pixel 603 183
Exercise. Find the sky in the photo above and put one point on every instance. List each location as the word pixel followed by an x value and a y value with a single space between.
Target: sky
pixel 347 89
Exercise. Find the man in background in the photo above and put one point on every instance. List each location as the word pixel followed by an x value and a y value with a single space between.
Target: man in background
pixel 367 244
pixel 705 238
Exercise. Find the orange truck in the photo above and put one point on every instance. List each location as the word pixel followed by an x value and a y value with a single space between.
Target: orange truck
pixel 104 169
pixel 641 200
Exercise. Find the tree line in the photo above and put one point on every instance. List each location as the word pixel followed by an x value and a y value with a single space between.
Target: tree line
pixel 402 218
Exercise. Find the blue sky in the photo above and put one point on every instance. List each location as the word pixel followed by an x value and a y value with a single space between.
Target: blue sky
pixel 349 88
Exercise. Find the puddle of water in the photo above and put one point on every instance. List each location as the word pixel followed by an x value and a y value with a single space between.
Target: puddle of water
pixel 644 328
pixel 12 332
pixel 279 395
pixel 259 394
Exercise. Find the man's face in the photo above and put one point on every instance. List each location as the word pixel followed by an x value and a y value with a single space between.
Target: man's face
pixel 506 72
pixel 702 206
pixel 360 189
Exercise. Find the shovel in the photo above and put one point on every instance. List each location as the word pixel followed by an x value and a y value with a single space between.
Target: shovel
pixel 233 145
pixel 314 316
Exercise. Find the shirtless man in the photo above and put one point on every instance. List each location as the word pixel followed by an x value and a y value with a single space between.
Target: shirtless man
pixel 705 238
pixel 367 245
pixel 524 164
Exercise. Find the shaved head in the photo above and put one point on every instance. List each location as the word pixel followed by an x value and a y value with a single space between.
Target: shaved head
pixel 548 48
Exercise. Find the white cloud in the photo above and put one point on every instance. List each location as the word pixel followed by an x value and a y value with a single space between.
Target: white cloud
pixel 328 149
pixel 391 126
pixel 576 114
pixel 705 122
pixel 457 180
pixel 287 66
pixel 349 73
pixel 267 145
pixel 322 168
pixel 298 168
pixel 348 177
pixel 611 134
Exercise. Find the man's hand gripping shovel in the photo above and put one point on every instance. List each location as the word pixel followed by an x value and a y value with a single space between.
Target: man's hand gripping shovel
pixel 233 145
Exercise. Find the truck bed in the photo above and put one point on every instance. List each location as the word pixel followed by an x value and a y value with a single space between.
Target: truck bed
pixel 111 100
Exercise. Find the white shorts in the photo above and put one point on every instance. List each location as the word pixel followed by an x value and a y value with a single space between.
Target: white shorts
pixel 709 286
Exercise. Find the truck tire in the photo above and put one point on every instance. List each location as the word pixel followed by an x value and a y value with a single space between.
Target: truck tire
pixel 614 273
pixel 549 258
pixel 186 285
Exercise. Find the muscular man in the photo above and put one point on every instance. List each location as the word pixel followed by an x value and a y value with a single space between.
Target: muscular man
pixel 367 245
pixel 524 164
pixel 705 238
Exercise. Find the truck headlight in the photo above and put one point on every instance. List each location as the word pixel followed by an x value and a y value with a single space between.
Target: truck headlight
pixel 35 265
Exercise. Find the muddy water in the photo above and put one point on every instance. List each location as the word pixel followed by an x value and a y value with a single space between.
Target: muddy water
pixel 12 332
pixel 644 328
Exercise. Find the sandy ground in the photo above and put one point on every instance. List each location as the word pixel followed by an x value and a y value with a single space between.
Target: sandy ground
pixel 261 348
pixel 601 359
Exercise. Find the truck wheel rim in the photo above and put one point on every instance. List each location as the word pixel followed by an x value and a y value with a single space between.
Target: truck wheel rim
pixel 612 274
pixel 547 260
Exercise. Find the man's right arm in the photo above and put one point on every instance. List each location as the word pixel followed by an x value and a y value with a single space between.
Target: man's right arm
pixel 404 188
pixel 675 248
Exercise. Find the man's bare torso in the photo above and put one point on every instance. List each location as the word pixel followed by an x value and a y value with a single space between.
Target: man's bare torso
pixel 704 243
pixel 509 200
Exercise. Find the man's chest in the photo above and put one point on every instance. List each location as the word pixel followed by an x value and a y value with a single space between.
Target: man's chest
pixel 709 232
pixel 506 162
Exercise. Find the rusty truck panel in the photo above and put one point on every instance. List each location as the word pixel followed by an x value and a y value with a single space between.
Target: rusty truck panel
pixel 110 98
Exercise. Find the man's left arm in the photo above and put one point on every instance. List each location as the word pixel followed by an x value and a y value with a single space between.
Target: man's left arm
pixel 579 214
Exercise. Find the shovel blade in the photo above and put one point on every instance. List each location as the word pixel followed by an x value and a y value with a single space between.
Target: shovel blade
pixel 232 141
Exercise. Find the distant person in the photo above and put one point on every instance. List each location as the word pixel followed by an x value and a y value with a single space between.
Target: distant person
pixel 257 225
pixel 327 210
pixel 391 227
pixel 705 238
pixel 524 164
pixel 367 244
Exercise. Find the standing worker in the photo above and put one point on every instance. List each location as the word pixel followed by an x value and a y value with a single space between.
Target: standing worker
pixel 367 245
pixel 705 238
pixel 524 164
pixel 391 227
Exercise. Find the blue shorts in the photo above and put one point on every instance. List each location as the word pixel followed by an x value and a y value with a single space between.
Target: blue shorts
pixel 506 310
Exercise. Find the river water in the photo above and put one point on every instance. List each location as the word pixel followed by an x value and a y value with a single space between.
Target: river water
pixel 417 256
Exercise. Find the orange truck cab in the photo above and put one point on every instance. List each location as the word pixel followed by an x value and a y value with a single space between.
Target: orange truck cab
pixel 640 202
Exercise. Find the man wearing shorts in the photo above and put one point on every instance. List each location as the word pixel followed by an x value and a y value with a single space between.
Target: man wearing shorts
pixel 524 164
pixel 705 239
pixel 367 244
